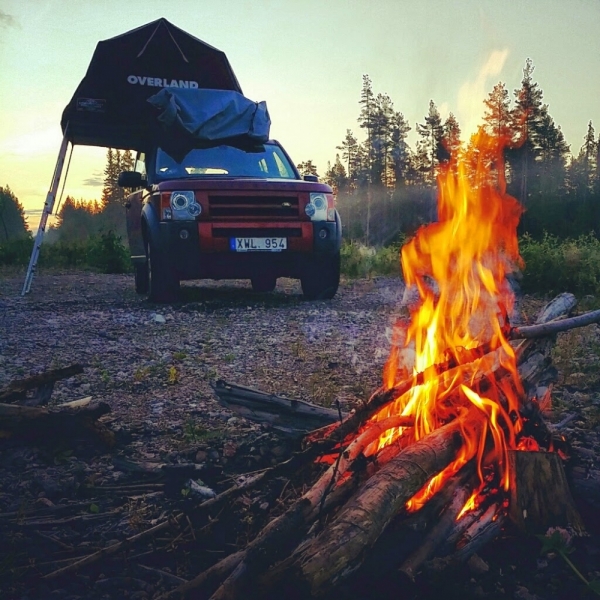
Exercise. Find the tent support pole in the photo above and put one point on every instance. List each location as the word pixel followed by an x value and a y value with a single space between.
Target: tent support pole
pixel 48 208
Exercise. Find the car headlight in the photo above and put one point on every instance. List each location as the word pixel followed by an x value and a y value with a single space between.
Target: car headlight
pixel 321 207
pixel 184 205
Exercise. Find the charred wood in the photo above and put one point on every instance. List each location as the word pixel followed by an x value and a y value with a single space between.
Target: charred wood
pixel 17 390
pixel 288 416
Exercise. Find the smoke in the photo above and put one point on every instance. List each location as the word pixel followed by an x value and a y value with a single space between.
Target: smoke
pixel 472 93
pixel 7 20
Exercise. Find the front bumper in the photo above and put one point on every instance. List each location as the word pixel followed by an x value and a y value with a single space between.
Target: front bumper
pixel 203 250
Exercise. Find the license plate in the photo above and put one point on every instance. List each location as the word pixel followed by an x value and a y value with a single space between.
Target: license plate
pixel 253 244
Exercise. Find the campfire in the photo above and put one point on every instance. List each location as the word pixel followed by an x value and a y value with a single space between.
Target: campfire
pixel 456 428
pixel 458 267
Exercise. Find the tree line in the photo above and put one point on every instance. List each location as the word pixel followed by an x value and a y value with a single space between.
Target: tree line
pixel 82 219
pixel 386 188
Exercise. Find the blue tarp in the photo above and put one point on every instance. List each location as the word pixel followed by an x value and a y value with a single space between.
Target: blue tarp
pixel 212 115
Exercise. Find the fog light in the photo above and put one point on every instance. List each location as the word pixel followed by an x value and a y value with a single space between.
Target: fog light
pixel 184 234
pixel 323 234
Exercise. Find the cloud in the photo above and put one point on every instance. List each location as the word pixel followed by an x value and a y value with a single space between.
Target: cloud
pixel 97 180
pixel 7 20
pixel 472 93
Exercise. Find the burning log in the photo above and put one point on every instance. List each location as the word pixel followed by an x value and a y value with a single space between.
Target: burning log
pixel 540 495
pixel 340 549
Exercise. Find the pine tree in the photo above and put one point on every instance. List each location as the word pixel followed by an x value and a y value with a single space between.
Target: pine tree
pixel 366 118
pixel 336 177
pixel 307 168
pixel 111 175
pixel 349 148
pixel 552 157
pixel 383 113
pixel 431 142
pixel 526 117
pixel 12 216
pixel 451 137
pixel 584 168
pixel 497 117
pixel 400 153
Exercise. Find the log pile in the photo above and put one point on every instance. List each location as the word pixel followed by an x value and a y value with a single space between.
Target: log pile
pixel 327 535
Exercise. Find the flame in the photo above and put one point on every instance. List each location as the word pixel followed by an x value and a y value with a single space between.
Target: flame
pixel 458 267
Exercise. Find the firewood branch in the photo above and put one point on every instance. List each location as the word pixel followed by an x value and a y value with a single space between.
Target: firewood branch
pixel 544 329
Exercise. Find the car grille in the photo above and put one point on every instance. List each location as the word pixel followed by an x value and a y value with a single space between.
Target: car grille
pixel 254 207
pixel 229 232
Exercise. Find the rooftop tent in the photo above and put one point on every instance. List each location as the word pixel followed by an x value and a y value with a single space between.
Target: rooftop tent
pixel 110 108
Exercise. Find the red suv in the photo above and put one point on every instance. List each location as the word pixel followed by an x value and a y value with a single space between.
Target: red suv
pixel 229 212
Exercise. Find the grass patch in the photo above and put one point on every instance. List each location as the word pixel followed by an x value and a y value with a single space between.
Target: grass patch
pixel 554 265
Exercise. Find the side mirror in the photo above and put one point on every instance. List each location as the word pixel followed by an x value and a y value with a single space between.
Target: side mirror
pixel 131 179
pixel 312 178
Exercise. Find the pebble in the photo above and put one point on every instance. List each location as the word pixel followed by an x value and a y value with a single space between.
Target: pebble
pixel 477 565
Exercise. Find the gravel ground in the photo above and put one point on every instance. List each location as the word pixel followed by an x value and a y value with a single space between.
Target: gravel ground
pixel 154 364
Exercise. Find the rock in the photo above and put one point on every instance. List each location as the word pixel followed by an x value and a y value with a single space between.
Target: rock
pixel 522 593
pixel 201 456
pixel 229 449
pixel 157 318
pixel 477 565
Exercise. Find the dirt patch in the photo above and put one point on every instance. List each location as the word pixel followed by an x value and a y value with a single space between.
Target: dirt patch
pixel 154 364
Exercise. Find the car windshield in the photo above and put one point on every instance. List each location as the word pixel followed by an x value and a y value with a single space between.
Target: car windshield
pixel 226 161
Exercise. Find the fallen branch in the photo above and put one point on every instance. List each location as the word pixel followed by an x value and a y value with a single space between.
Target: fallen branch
pixel 44 382
pixel 545 329
pixel 289 416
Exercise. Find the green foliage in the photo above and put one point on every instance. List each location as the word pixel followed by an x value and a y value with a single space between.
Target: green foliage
pixel 559 540
pixel 107 254
pixel 104 253
pixel 553 265
pixel 359 261
pixel 192 432
pixel 16 252
pixel 12 216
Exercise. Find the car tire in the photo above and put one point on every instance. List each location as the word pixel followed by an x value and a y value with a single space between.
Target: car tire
pixel 263 283
pixel 321 278
pixel 164 284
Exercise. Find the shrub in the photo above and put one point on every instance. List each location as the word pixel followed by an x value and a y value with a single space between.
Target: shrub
pixel 16 252
pixel 553 265
pixel 104 253
pixel 107 254
pixel 360 261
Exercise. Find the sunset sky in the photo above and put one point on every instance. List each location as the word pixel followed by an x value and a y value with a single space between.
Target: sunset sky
pixel 306 59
